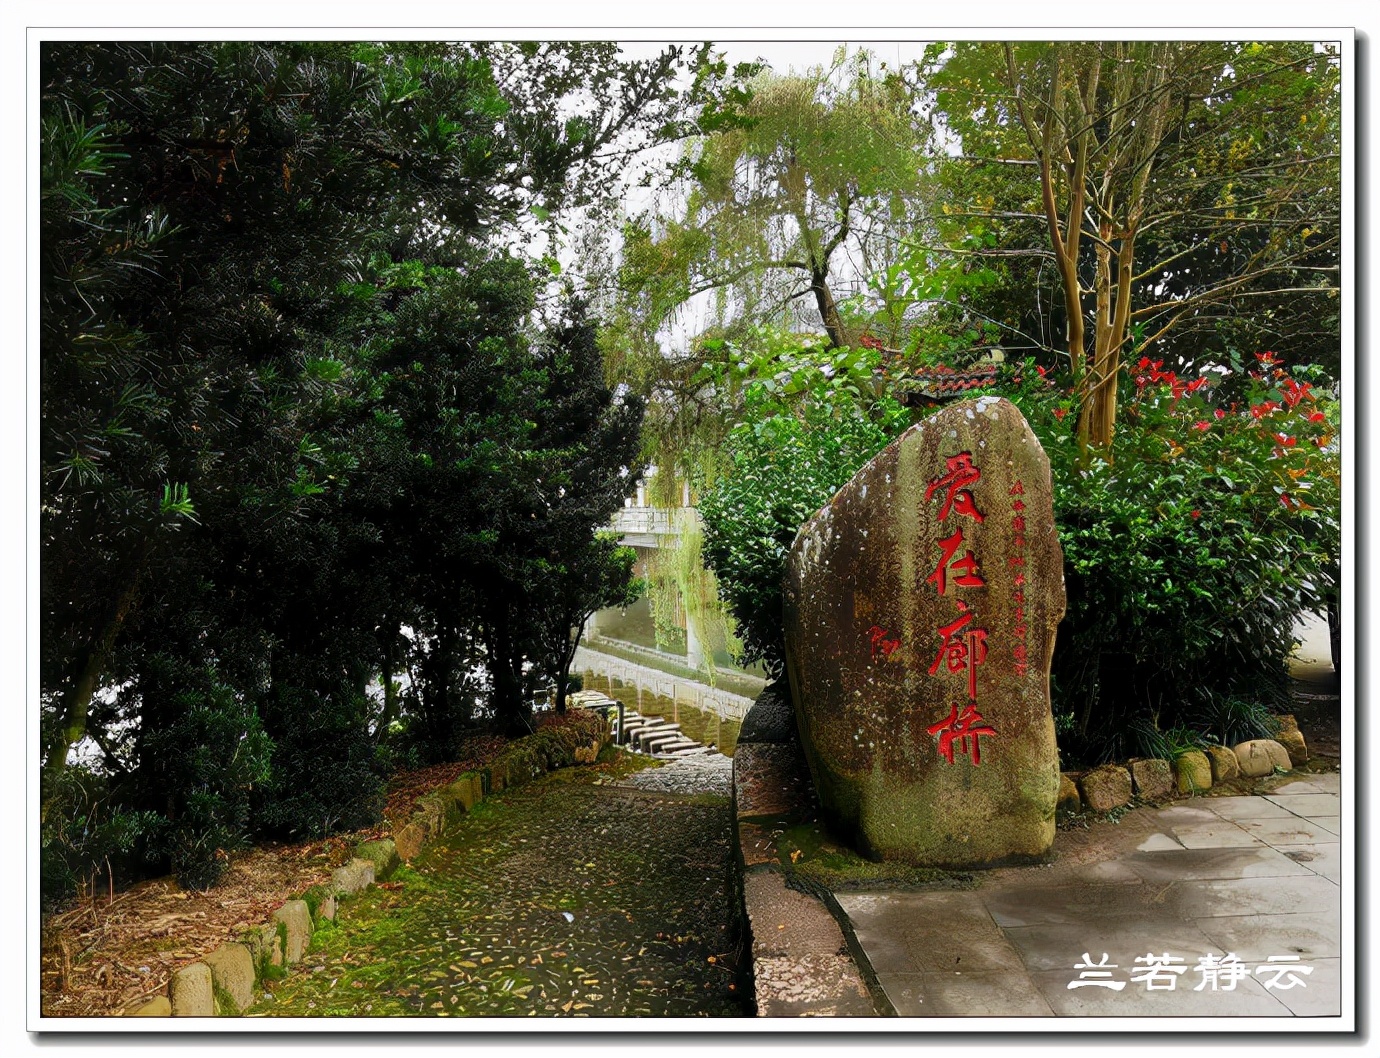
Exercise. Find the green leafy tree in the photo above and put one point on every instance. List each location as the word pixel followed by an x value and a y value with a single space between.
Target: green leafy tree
pixel 816 167
pixel 806 427
pixel 1188 557
pixel 550 568
pixel 594 433
pixel 1178 184
pixel 599 576
pixel 230 232
pixel 810 179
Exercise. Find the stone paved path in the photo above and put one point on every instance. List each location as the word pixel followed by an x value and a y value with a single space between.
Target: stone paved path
pixel 710 773
pixel 561 897
pixel 1256 877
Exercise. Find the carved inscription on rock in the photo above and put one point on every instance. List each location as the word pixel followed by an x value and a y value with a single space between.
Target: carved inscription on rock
pixel 927 721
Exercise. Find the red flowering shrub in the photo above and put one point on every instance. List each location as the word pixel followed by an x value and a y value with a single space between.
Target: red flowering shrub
pixel 1190 553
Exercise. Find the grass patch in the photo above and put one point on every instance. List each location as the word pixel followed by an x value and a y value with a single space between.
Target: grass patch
pixel 809 856
pixel 226 1007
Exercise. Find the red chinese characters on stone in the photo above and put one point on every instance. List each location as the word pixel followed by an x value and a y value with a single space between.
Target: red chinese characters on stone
pixel 962 653
pixel 881 645
pixel 963 647
pixel 960 728
pixel 961 474
pixel 1019 652
pixel 966 566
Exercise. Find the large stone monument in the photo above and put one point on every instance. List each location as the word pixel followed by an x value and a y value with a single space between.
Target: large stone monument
pixel 921 608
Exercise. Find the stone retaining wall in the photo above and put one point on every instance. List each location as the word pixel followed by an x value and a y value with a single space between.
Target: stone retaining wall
pixel 800 960
pixel 225 982
pixel 1195 771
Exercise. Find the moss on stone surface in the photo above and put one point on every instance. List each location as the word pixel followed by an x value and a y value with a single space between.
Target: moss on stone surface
pixel 927 821
pixel 226 1007
pixel 809 855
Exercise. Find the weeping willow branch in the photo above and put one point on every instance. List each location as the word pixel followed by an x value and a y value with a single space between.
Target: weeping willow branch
pixel 680 587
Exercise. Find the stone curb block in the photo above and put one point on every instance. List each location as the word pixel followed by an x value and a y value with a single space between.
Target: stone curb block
pixel 296 917
pixel 1291 738
pixel 192 994
pixel 232 975
pixel 285 939
pixel 1260 757
pixel 383 854
pixel 1151 778
pixel 265 946
pixel 1192 772
pixel 409 841
pixel 1223 763
pixel 1068 802
pixel 356 875
pixel 810 986
pixel 800 962
pixel 321 903
pixel 1106 787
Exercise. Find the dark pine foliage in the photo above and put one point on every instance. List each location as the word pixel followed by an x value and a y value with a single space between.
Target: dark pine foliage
pixel 299 421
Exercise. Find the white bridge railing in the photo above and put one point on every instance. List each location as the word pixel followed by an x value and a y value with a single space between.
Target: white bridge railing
pixel 655 520
pixel 651 681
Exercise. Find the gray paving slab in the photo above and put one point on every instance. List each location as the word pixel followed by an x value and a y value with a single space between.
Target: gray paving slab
pixel 1199 881
pixel 1061 946
pixel 1310 934
pixel 1175 865
pixel 1177 815
pixel 1331 824
pixel 1245 808
pixel 944 932
pixel 1328 782
pixel 906 993
pixel 1135 1000
pixel 966 995
pixel 1069 904
pixel 1218 834
pixel 1322 859
pixel 1267 896
pixel 1319 994
pixel 1308 804
pixel 1109 871
pixel 1295 831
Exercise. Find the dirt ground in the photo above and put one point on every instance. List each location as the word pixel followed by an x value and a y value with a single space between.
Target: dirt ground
pixel 105 956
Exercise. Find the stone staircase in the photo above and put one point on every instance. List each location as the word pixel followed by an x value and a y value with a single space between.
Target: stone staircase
pixel 652 735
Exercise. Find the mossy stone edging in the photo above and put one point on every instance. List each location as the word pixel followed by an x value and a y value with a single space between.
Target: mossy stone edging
pixel 1192 772
pixel 216 985
pixel 803 963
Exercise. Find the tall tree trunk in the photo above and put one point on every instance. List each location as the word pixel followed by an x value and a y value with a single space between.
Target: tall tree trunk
pixel 75 703
pixel 391 703
pixel 828 309
pixel 1061 140
pixel 565 659
pixel 1105 344
pixel 511 711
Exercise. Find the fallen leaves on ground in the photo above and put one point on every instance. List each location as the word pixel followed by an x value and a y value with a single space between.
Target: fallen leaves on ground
pixel 104 957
